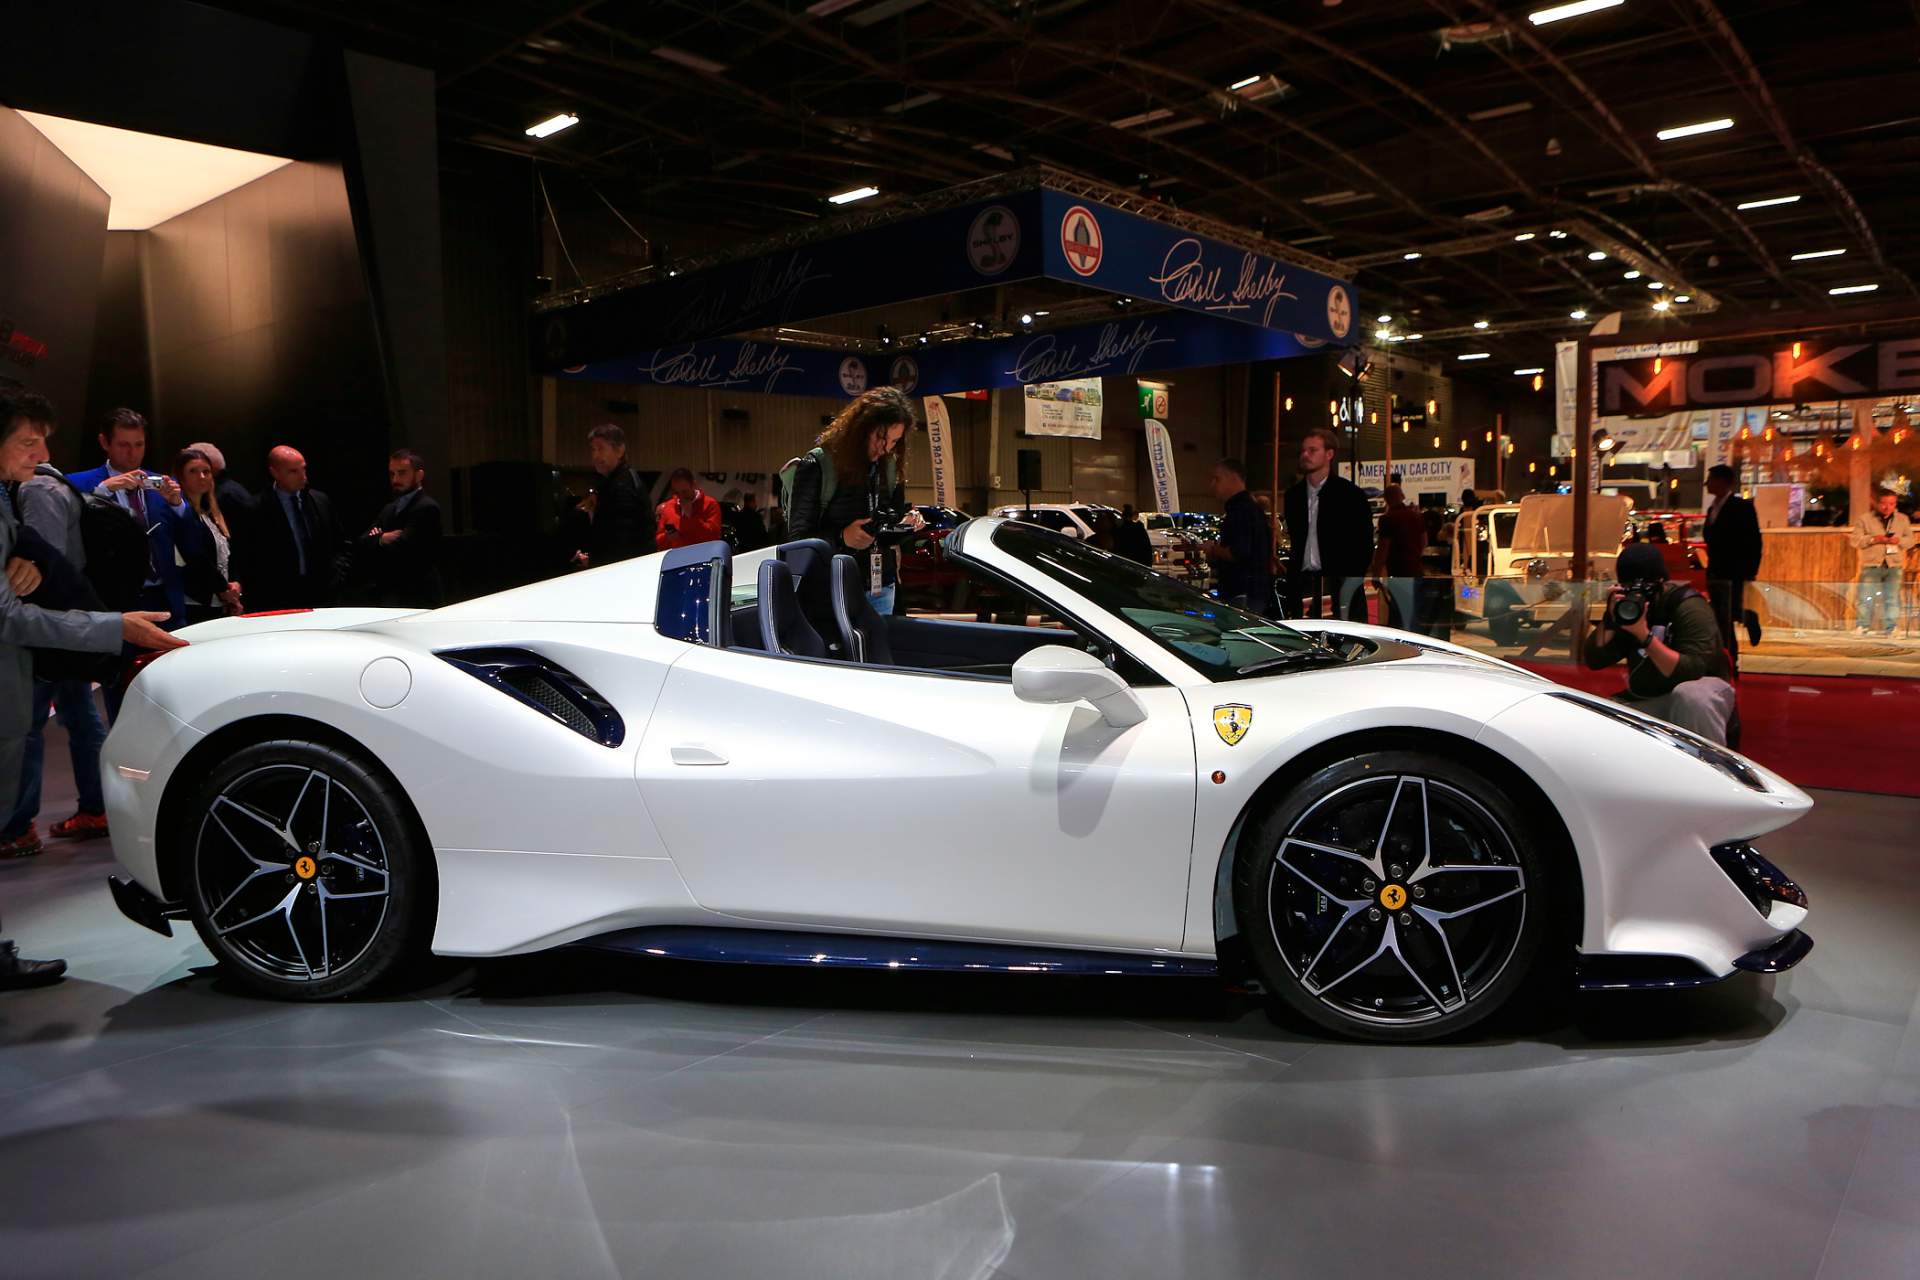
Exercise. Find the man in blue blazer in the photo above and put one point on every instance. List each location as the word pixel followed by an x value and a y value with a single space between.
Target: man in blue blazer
pixel 160 510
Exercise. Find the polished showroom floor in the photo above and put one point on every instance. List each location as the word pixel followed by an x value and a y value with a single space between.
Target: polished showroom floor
pixel 586 1116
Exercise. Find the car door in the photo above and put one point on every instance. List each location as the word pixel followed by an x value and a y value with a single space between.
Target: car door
pixel 820 794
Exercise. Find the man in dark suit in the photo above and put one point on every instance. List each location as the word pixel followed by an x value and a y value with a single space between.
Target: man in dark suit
pixel 1243 554
pixel 1330 530
pixel 1733 556
pixel 620 519
pixel 396 563
pixel 293 542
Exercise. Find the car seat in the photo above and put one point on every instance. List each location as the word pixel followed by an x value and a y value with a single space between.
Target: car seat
pixel 783 627
pixel 811 561
pixel 862 631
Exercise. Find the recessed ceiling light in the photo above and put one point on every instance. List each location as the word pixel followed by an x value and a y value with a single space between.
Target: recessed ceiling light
pixel 1383 333
pixel 1577 315
pixel 1043 313
pixel 1698 127
pixel 1474 355
pixel 1767 203
pixel 1541 17
pixel 1479 324
pixel 1247 83
pixel 1854 288
pixel 1661 305
pixel 1409 256
pixel 1594 255
pixel 1683 297
pixel 858 193
pixel 1384 319
pixel 1556 235
pixel 553 124
pixel 1415 337
pixel 1524 235
pixel 1818 253
pixel 1631 275
pixel 1522 373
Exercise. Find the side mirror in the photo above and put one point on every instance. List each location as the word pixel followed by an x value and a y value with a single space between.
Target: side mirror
pixel 1056 674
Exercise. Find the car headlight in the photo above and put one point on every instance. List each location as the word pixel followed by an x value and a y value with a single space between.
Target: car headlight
pixel 1707 753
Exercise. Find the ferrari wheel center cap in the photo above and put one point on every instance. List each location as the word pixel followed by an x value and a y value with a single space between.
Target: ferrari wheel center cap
pixel 305 867
pixel 1393 897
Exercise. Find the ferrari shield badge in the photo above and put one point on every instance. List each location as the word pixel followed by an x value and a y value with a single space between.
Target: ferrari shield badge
pixel 1232 721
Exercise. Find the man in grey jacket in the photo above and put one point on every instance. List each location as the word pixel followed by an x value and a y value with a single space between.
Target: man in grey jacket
pixel 24 420
pixel 48 505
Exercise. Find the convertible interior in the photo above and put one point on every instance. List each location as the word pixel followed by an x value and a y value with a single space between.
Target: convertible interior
pixel 812 604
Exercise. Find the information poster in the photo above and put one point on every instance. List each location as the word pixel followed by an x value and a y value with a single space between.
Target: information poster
pixel 1064 408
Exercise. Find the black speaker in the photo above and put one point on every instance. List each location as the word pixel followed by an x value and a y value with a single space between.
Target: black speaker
pixel 1029 470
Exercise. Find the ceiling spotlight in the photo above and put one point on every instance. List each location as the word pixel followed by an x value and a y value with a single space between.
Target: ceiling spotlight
pixel 1524 235
pixel 1661 304
pixel 1818 253
pixel 1415 337
pixel 1121 304
pixel 858 193
pixel 886 338
pixel 1475 355
pixel 1577 315
pixel 1479 324
pixel 553 124
pixel 1384 319
pixel 1026 318
pixel 1523 373
pixel 1575 9
pixel 1683 297
pixel 1767 203
pixel 1043 313
pixel 1656 284
pixel 1689 130
pixel 1594 255
pixel 1383 334
pixel 924 339
pixel 1409 256
pixel 1556 235
pixel 1631 275
pixel 1854 288
pixel 1246 83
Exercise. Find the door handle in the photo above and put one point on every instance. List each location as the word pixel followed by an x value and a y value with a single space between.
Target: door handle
pixel 697 756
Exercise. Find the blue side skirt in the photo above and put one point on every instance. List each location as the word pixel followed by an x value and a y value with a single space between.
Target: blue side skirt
pixel 853 951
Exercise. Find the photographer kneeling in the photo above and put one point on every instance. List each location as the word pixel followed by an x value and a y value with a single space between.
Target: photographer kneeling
pixel 1665 631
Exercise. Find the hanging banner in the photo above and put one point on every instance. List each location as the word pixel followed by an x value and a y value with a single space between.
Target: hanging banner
pixel 1064 409
pixel 1789 374
pixel 1447 478
pixel 1168 340
pixel 1166 483
pixel 940 447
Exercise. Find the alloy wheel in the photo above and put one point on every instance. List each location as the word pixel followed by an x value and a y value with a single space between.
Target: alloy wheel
pixel 1397 900
pixel 292 873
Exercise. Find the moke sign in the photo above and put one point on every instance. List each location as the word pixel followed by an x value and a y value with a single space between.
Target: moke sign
pixel 1650 386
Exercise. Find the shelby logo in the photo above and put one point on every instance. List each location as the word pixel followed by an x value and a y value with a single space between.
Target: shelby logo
pixel 1666 384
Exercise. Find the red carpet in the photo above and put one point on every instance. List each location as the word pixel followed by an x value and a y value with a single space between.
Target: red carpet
pixel 1844 732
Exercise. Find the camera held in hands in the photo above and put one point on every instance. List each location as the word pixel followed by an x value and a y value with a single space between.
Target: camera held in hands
pixel 149 480
pixel 887 523
pixel 1631 605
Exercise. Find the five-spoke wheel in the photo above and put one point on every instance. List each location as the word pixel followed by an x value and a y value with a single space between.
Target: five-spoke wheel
pixel 304 870
pixel 1393 896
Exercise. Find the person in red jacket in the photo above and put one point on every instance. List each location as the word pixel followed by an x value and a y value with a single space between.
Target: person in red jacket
pixel 688 516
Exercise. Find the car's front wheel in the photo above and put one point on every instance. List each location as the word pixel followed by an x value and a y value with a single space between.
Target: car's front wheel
pixel 1393 895
pixel 306 872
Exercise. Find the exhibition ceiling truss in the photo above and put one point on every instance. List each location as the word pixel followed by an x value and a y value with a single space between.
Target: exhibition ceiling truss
pixel 1470 164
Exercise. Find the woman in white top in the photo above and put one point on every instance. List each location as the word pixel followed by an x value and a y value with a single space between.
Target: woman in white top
pixel 208 561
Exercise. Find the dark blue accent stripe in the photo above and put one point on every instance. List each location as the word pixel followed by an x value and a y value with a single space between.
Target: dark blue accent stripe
pixel 1779 957
pixel 772 946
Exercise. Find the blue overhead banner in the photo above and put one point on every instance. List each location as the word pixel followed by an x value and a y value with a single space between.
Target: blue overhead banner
pixel 1090 243
pixel 1166 340
pixel 1018 236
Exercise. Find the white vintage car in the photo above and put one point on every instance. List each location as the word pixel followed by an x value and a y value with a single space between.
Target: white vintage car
pixel 1390 834
pixel 1512 562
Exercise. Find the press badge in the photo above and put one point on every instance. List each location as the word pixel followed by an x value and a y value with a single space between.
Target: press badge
pixel 873 570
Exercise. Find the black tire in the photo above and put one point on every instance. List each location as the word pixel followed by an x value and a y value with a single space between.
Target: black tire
pixel 1340 938
pixel 1502 621
pixel 305 873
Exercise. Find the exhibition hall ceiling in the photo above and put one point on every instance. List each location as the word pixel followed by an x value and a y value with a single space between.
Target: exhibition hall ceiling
pixel 1748 156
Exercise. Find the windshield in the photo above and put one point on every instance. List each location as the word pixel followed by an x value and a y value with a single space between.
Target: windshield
pixel 1214 639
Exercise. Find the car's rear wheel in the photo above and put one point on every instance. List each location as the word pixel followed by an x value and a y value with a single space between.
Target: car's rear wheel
pixel 306 875
pixel 1394 895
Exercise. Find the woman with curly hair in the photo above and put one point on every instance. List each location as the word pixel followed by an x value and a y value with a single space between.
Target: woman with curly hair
pixel 858 469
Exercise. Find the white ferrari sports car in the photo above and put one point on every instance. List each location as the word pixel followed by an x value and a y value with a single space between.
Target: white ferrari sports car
pixel 736 759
